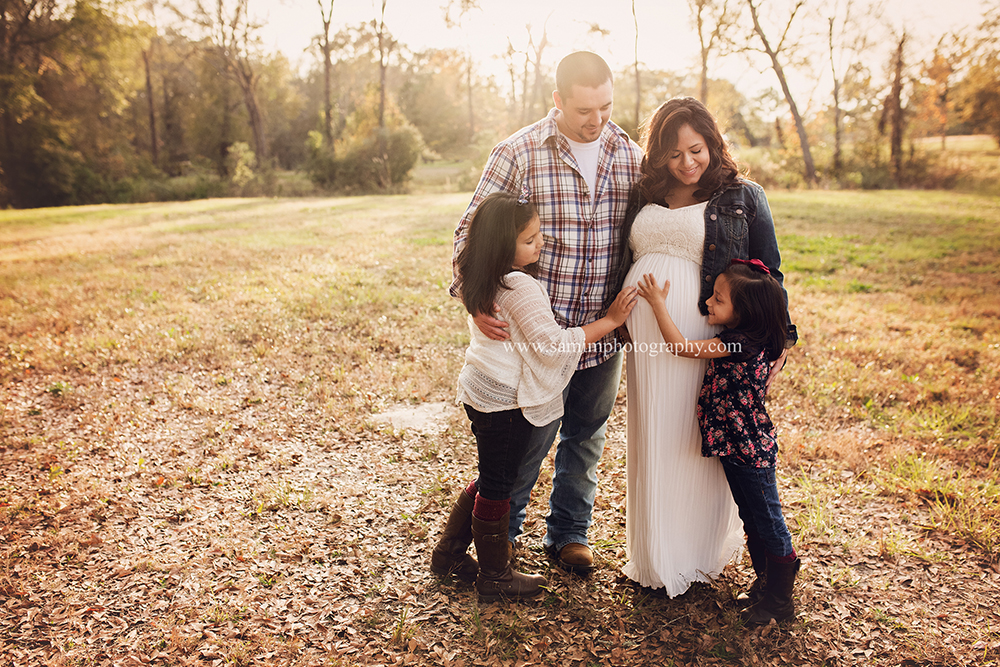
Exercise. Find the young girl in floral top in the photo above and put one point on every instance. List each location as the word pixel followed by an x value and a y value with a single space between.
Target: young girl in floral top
pixel 749 303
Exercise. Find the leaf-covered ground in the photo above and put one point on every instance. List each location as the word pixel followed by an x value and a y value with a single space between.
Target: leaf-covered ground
pixel 209 482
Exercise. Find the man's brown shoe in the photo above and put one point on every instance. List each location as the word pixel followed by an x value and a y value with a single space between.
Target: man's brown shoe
pixel 576 558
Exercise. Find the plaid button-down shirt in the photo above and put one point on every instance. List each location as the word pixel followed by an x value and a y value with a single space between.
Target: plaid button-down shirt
pixel 581 253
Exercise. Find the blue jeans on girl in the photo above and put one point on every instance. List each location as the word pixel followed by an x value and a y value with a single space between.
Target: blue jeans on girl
pixel 755 491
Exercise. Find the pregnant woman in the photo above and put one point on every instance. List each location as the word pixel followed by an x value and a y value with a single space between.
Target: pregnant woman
pixel 691 214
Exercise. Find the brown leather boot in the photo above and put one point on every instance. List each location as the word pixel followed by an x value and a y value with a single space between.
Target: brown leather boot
pixel 449 556
pixel 776 603
pixel 496 579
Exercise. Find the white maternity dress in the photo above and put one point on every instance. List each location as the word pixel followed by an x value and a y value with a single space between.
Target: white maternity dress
pixel 682 525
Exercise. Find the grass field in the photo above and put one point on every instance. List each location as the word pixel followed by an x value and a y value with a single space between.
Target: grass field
pixel 194 468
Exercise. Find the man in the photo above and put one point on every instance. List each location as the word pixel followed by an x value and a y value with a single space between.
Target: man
pixel 576 167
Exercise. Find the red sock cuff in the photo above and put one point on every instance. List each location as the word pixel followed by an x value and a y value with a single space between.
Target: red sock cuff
pixel 471 488
pixel 784 559
pixel 490 510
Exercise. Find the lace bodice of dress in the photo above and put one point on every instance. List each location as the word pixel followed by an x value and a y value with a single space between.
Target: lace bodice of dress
pixel 677 232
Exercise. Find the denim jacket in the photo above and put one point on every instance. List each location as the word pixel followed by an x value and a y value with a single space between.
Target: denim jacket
pixel 738 225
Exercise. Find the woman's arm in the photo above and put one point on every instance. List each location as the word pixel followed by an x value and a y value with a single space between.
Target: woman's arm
pixel 680 346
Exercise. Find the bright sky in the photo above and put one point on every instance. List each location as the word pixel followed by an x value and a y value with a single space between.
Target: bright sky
pixel 667 39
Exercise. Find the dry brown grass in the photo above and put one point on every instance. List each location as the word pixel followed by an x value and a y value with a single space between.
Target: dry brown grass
pixel 194 469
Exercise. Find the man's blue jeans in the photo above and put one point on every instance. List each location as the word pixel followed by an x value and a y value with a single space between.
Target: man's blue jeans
pixel 587 404
pixel 755 491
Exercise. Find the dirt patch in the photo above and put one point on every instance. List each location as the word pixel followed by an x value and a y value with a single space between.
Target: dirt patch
pixel 426 418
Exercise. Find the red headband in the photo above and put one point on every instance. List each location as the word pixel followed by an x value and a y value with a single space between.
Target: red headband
pixel 754 264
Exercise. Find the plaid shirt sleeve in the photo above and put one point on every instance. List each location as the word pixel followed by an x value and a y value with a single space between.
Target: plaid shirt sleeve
pixel 581 251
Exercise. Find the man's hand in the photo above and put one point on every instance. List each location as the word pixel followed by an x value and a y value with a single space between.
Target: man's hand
pixel 776 366
pixel 491 327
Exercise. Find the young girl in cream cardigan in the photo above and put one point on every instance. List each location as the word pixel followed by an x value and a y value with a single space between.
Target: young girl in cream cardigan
pixel 508 387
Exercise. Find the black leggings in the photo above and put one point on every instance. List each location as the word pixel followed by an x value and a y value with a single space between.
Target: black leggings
pixel 502 439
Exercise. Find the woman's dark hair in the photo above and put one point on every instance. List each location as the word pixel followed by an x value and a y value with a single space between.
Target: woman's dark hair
pixel 488 254
pixel 660 140
pixel 759 304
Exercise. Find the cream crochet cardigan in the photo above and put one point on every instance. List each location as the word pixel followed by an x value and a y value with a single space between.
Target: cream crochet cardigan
pixel 530 370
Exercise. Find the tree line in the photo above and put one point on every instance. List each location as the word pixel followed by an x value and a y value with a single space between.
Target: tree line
pixel 105 101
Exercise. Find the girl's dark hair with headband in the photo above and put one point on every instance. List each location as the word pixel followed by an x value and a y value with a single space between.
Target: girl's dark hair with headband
pixel 759 304
pixel 488 254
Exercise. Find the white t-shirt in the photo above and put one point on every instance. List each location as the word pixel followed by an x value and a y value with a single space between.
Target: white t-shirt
pixel 587 155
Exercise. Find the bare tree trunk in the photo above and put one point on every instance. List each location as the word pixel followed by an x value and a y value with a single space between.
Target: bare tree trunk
pixel 464 7
pixel 383 63
pixel 468 84
pixel 247 80
pixel 800 128
pixel 538 95
pixel 525 108
pixel 382 66
pixel 233 35
pixel 327 72
pixel 153 144
pixel 837 161
pixel 224 139
pixel 638 79
pixel 700 21
pixel 894 108
pixel 722 20
pixel 509 58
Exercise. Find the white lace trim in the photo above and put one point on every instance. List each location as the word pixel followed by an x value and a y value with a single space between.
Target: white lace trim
pixel 676 232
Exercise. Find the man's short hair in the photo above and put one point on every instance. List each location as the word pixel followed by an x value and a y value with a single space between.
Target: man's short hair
pixel 582 68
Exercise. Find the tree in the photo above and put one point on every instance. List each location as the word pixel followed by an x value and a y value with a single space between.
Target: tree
pixel 635 61
pixel 772 53
pixel 722 18
pixel 532 78
pixel 850 36
pixel 893 114
pixel 235 43
pixel 28 30
pixel 430 98
pixel 837 132
pixel 68 71
pixel 327 16
pixel 655 86
pixel 933 91
pixel 385 46
pixel 181 90
pixel 979 90
pixel 463 9
pixel 538 102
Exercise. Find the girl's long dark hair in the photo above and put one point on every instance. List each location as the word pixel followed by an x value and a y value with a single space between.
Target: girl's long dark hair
pixel 759 303
pixel 660 140
pixel 488 254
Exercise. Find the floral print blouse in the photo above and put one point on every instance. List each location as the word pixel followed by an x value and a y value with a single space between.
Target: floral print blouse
pixel 731 411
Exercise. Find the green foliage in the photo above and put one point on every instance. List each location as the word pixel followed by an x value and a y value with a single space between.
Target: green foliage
pixel 431 97
pixel 368 158
pixel 981 95
pixel 68 74
pixel 381 161
pixel 240 164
